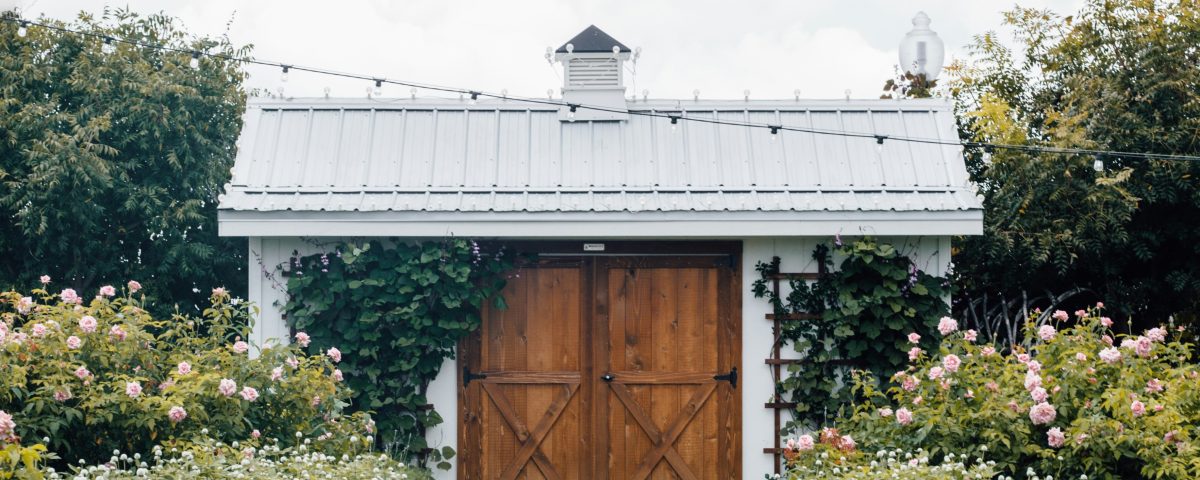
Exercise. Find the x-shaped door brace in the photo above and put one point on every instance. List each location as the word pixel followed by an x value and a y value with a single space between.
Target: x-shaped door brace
pixel 531 441
pixel 664 445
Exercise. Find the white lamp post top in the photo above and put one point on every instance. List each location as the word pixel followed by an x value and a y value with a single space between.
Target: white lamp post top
pixel 921 50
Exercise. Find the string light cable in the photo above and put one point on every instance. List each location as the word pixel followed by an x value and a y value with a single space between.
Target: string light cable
pixel 673 116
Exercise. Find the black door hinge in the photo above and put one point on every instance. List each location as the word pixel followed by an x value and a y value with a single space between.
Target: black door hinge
pixel 730 377
pixel 468 375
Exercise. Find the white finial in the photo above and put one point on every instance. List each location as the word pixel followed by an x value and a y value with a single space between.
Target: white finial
pixel 550 93
pixel 570 48
pixel 550 55
pixel 504 93
pixel 645 95
pixel 413 92
pixel 847 94
pixel 327 92
pixel 616 51
pixel 696 94
pixel 796 92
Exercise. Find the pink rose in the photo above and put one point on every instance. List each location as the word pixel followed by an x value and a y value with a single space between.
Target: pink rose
pixel 107 291
pixel 1080 438
pixel 7 427
pixel 847 443
pixel 1156 334
pixel 914 337
pixel 1081 357
pixel 1107 322
pixel 82 373
pixel 970 335
pixel 1154 386
pixel 74 342
pixel 249 394
pixel 117 332
pixel 1081 313
pixel 885 412
pixel 1038 394
pixel 87 324
pixel 1055 437
pixel 947 325
pixel 168 383
pixel 38 330
pixel 988 351
pixel 1047 333
pixel 951 363
pixel 917 400
pixel 240 347
pixel 1032 380
pixel 1034 366
pixel 1060 315
pixel 904 416
pixel 1110 355
pixel 255 434
pixel 936 373
pixel 1143 346
pixel 219 292
pixel 62 395
pixel 292 362
pixel 805 442
pixel 133 389
pixel 177 414
pixel 970 394
pixel 302 339
pixel 68 295
pixel 993 386
pixel 1042 413
pixel 45 279
pixel 1107 340
pixel 910 383
pixel 25 305
pixel 316 400
pixel 1099 304
pixel 337 374
pixel 276 374
pixel 227 387
pixel 133 286
pixel 1023 357
pixel 914 353
pixel 334 354
pixel 1138 408
pixel 184 368
pixel 1158 407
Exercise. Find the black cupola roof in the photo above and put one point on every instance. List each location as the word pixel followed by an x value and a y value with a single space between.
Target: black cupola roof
pixel 593 40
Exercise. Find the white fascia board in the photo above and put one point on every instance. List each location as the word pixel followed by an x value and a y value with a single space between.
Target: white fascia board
pixel 596 225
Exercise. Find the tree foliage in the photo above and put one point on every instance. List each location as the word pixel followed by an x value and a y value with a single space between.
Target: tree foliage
pixel 1119 76
pixel 111 163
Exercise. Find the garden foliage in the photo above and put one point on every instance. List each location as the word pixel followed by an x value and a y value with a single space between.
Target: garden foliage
pixel 403 307
pixel 1081 401
pixel 87 376
pixel 118 156
pixel 867 307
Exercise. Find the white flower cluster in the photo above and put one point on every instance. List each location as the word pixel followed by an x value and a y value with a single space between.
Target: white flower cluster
pixel 266 462
pixel 897 465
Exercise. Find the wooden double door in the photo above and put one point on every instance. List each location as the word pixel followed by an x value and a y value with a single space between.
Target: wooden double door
pixel 607 367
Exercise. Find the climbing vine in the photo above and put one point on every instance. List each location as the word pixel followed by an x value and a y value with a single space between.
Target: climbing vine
pixel 864 310
pixel 396 310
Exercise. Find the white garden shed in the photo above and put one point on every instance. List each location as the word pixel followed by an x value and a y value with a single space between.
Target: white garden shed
pixel 608 195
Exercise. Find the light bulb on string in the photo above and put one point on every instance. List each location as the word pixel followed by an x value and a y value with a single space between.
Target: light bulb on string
pixel 1098 164
pixel 674 124
pixel 283 76
pixel 378 90
pixel 23 29
pixel 195 61
pixel 571 112
pixel 107 47
pixel 879 143
pixel 774 132
pixel 475 99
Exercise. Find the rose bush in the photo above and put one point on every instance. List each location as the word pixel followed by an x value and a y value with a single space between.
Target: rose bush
pixel 832 455
pixel 1081 400
pixel 89 374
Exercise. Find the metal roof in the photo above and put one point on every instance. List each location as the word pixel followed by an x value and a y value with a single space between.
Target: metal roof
pixel 592 40
pixel 514 157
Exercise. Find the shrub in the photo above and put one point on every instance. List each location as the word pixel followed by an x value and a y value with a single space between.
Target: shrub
pixel 102 375
pixel 834 456
pixel 1080 401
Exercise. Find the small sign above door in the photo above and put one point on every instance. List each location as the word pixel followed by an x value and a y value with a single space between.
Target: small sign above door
pixel 593 247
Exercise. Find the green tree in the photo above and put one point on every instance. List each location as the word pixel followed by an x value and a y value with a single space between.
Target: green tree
pixel 111 162
pixel 1119 76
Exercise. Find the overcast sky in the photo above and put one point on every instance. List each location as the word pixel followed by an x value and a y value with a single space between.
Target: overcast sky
pixel 822 47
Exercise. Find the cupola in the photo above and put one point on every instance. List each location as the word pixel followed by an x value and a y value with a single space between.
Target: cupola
pixel 593 74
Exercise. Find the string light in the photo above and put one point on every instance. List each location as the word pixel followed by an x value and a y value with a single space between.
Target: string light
pixel 879 143
pixel 378 90
pixel 774 132
pixel 195 64
pixel 571 112
pixel 475 99
pixel 1098 164
pixel 283 76
pixel 107 47
pixel 674 123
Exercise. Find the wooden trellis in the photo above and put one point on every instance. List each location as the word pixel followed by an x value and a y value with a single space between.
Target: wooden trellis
pixel 776 362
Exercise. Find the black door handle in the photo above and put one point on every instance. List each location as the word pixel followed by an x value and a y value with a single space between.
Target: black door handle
pixel 730 377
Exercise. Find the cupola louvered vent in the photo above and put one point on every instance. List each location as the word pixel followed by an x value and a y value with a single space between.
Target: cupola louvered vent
pixel 593 72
